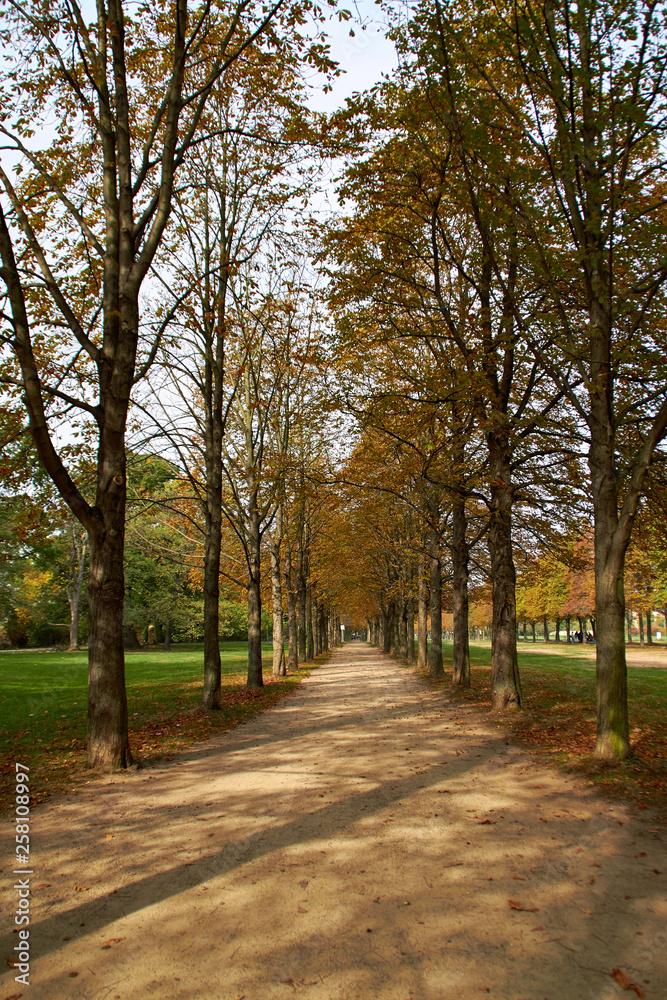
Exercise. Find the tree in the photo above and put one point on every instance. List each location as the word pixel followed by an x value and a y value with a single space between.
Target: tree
pixel 79 235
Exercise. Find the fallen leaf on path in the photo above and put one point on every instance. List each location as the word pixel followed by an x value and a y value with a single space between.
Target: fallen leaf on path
pixel 624 981
pixel 540 927
pixel 14 996
pixel 300 909
pixel 107 944
pixel 515 905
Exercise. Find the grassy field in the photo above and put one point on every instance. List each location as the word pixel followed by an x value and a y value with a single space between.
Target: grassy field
pixel 43 708
pixel 558 717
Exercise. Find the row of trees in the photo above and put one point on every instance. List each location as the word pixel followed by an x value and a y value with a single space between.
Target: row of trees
pixel 114 124
pixel 503 256
pixel 495 343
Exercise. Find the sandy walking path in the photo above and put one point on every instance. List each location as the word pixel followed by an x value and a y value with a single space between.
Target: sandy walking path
pixel 361 840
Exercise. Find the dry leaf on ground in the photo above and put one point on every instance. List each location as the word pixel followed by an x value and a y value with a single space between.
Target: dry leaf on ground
pixel 624 981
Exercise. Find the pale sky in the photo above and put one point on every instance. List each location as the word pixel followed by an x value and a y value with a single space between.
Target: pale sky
pixel 363 57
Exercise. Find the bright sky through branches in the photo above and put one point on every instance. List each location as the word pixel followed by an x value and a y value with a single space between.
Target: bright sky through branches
pixel 363 57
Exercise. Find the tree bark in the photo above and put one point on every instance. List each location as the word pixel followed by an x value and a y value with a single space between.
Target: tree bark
pixel 302 578
pixel 435 665
pixel 410 625
pixel 460 560
pixel 505 682
pixel 212 663
pixel 292 639
pixel 310 632
pixel 422 619
pixel 108 739
pixel 279 668
pixel 255 678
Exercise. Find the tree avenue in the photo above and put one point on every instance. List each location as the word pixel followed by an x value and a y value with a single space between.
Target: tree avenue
pixel 441 406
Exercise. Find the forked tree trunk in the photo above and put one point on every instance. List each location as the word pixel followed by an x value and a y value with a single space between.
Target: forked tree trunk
pixel 460 560
pixel 435 665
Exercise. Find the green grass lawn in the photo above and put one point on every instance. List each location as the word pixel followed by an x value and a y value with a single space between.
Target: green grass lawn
pixel 43 700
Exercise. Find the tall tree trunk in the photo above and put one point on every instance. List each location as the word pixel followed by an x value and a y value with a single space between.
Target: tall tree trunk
pixel 255 678
pixel 310 640
pixel 640 619
pixel 613 728
pixel 558 621
pixel 410 628
pixel 278 668
pixel 422 616
pixel 435 665
pixel 505 681
pixel 649 629
pixel 460 560
pixel 315 625
pixel 212 662
pixel 628 618
pixel 302 582
pixel 546 628
pixel 387 627
pixel 292 639
pixel 108 740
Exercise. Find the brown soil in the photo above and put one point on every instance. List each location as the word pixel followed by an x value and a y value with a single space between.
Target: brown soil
pixel 363 839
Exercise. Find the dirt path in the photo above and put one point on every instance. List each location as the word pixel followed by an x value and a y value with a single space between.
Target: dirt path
pixel 361 840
